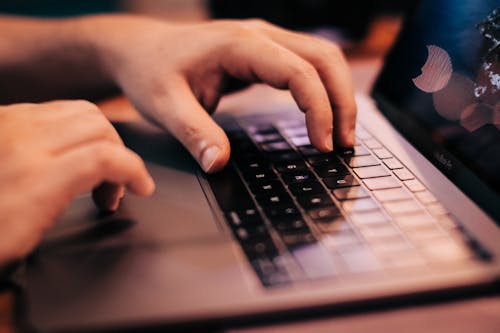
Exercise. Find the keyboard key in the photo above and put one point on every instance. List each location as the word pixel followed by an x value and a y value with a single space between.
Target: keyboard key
pixel 385 233
pixel 331 170
pixel 403 174
pixel 281 212
pixel 324 213
pixel 441 250
pixel 382 153
pixel 381 183
pixel 261 129
pixel 269 272
pixel 284 156
pixel 423 235
pixel 367 219
pixel 372 143
pixel 247 233
pixel 361 133
pixel 306 188
pixel 288 166
pixel 229 190
pixel 289 224
pixel 259 175
pixel 393 163
pixel 371 172
pixel 346 193
pixel 265 138
pixel 340 241
pixel 403 207
pixel 295 131
pixel 267 187
pixel 248 217
pixel 299 239
pixel 335 224
pixel 359 205
pixel 354 151
pixel 275 146
pixel 279 199
pixel 243 145
pixel 437 209
pixel 248 166
pixel 309 151
pixel 401 259
pixel 362 161
pixel 392 194
pixel 340 181
pixel 360 260
pixel 426 197
pixel 414 185
pixel 298 177
pixel 259 248
pixel 323 159
pixel 300 140
pixel 315 261
pixel 415 221
pixel 315 201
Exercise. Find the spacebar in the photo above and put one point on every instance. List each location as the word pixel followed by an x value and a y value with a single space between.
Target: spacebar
pixel 229 190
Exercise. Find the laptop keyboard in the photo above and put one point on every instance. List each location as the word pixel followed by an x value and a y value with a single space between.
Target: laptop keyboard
pixel 299 214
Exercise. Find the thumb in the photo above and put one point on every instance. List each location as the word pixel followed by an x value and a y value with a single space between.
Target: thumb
pixel 189 122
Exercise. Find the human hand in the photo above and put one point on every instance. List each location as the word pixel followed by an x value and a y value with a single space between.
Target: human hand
pixel 51 152
pixel 174 75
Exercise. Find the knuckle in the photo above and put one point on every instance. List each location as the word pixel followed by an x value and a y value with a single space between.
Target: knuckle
pixel 304 70
pixel 257 22
pixel 86 106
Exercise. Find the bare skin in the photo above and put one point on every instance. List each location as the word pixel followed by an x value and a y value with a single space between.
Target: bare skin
pixel 173 73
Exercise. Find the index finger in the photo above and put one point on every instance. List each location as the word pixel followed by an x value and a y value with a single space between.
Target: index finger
pixel 261 59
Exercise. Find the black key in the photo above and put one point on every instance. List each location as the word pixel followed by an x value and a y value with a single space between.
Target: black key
pixel 267 188
pixel 311 187
pixel 235 135
pixel 340 181
pixel 284 156
pixel 323 159
pixel 331 170
pixel 257 164
pixel 324 213
pixel 243 145
pixel 275 200
pixel 298 177
pixel 262 129
pixel 290 224
pixel 315 201
pixel 276 146
pixel 260 176
pixel 245 234
pixel 259 248
pixel 229 190
pixel 281 212
pixel 244 218
pixel 243 158
pixel 346 193
pixel 354 151
pixel 289 166
pixel 309 150
pixel 270 272
pixel 265 138
pixel 294 240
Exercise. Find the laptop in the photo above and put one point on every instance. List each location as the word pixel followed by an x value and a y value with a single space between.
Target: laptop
pixel 413 209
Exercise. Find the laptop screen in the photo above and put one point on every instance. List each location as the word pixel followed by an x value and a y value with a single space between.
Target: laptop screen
pixel 441 88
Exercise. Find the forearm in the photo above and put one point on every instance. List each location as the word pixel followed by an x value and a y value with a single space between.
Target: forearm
pixel 47 59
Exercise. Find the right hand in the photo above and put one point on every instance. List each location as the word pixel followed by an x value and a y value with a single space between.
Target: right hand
pixel 50 153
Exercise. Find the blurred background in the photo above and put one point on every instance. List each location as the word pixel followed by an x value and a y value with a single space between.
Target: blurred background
pixel 362 27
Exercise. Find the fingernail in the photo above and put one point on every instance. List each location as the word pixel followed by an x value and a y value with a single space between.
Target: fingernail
pixel 329 142
pixel 209 157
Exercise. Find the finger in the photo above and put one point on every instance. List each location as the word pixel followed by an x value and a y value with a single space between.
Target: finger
pixel 261 59
pixel 332 67
pixel 71 123
pixel 98 162
pixel 186 119
pixel 75 123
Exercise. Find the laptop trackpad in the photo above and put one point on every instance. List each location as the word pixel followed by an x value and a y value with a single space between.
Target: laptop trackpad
pixel 177 212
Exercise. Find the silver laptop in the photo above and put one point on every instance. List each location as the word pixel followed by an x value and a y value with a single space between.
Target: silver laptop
pixel 413 209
